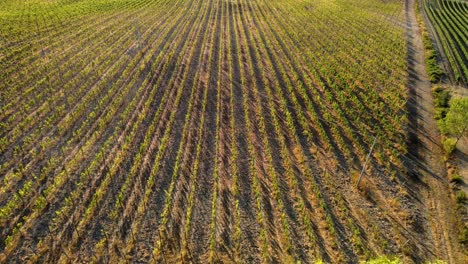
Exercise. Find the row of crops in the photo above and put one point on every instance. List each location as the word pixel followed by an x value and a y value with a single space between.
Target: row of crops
pixel 449 19
pixel 202 130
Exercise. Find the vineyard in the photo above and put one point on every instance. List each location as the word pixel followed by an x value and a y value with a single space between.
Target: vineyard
pixel 210 131
pixel 449 19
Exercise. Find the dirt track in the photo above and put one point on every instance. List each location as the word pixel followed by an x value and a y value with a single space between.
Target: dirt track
pixel 424 146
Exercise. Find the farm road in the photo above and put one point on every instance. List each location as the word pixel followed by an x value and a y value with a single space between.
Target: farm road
pixel 424 146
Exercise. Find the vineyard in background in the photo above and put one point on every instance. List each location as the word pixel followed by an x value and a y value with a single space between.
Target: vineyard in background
pixel 207 130
pixel 449 19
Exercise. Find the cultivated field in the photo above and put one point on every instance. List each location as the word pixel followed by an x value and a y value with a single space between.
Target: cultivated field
pixel 207 131
pixel 449 20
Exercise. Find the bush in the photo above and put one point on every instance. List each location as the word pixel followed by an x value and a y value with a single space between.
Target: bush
pixel 441 97
pixel 440 113
pixel 449 145
pixel 461 197
pixel 457 179
pixel 433 68
pixel 463 238
pixel 427 40
pixel 436 89
pixel 441 125
pixel 455 121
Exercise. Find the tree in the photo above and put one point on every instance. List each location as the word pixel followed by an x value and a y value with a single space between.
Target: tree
pixel 456 121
